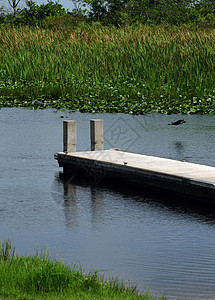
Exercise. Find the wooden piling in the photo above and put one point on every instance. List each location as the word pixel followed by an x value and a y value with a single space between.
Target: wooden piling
pixel 69 136
pixel 96 135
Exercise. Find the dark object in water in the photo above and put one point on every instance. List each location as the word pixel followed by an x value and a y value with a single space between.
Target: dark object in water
pixel 178 122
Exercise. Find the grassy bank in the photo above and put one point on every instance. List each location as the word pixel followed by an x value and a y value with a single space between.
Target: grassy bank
pixel 133 70
pixel 41 277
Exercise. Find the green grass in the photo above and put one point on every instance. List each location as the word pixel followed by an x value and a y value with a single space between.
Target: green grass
pixel 133 70
pixel 41 277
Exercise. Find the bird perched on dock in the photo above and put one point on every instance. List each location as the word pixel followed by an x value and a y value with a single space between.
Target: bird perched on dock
pixel 179 122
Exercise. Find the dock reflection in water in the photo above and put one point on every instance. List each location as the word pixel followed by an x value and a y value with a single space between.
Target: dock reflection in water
pixel 68 190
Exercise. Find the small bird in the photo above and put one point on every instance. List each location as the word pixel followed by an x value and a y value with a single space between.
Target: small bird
pixel 178 122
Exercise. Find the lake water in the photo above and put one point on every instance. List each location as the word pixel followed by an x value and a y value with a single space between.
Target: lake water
pixel 164 244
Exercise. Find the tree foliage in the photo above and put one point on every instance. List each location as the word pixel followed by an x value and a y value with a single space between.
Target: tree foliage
pixel 114 12
pixel 33 14
pixel 174 12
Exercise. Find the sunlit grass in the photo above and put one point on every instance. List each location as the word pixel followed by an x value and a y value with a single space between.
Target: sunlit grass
pixel 132 70
pixel 41 277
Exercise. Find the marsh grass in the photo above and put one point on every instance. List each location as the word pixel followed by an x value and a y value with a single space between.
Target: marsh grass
pixel 41 277
pixel 132 70
pixel 7 252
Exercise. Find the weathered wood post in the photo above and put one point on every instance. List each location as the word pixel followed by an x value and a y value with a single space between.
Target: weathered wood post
pixel 69 136
pixel 96 135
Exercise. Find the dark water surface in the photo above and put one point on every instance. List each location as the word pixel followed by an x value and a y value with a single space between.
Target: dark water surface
pixel 162 243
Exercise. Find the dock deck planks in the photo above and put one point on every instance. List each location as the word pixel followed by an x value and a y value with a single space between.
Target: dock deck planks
pixel 189 179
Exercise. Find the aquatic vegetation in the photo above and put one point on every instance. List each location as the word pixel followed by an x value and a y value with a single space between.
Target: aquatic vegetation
pixel 132 70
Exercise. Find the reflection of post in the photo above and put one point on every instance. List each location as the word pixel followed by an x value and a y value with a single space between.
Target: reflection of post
pixel 70 203
pixel 179 146
pixel 97 205
pixel 69 136
pixel 96 135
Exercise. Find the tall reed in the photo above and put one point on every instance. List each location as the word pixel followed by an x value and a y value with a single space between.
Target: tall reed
pixel 102 67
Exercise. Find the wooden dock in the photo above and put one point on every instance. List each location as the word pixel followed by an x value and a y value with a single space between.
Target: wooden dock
pixel 178 177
